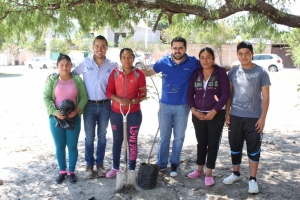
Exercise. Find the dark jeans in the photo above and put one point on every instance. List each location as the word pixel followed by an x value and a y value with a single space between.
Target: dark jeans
pixel 208 134
pixel 95 114
pixel 134 121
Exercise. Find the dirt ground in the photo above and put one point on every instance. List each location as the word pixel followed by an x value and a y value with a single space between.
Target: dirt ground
pixel 28 166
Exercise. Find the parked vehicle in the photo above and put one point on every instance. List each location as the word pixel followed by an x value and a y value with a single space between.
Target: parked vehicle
pixel 140 59
pixel 40 62
pixel 271 62
pixel 143 59
pixel 75 61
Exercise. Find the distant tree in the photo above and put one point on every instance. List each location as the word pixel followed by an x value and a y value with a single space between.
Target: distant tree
pixel 292 38
pixel 136 46
pixel 2 40
pixel 38 47
pixel 296 56
pixel 261 46
pixel 84 42
pixel 248 27
pixel 140 45
pixel 59 46
pixel 13 45
pixel 216 37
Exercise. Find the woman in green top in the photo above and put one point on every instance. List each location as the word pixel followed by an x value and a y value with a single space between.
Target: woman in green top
pixel 57 89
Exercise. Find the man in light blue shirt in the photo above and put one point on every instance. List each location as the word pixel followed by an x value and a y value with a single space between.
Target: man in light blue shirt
pixel 96 71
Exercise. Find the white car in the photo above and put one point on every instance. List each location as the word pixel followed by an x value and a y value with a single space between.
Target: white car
pixel 40 62
pixel 271 62
pixel 75 61
pixel 143 59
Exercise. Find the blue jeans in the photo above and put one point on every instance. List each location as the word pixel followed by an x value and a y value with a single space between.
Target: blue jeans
pixel 62 138
pixel 134 121
pixel 171 117
pixel 95 114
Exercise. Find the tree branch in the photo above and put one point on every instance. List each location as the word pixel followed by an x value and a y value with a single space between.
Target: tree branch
pixel 115 7
pixel 156 23
pixel 171 8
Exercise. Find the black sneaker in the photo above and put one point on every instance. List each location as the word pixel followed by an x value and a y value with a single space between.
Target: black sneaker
pixel 60 178
pixel 161 169
pixel 72 178
pixel 173 170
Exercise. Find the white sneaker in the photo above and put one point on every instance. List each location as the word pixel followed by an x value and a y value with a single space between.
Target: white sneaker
pixel 174 173
pixel 231 179
pixel 253 188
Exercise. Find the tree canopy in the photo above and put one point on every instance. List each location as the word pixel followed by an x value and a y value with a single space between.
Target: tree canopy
pixel 62 16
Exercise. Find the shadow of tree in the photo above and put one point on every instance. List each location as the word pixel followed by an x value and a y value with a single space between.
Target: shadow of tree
pixel 6 75
pixel 278 175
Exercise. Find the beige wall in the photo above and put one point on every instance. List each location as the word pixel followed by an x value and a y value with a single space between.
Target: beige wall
pixel 24 55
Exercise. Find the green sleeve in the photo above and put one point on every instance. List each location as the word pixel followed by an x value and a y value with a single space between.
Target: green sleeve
pixel 48 97
pixel 82 94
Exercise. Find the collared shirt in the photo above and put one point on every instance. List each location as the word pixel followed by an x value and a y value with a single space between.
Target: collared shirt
pixel 175 78
pixel 95 78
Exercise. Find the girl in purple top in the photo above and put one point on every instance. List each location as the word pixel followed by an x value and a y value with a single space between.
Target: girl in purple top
pixel 207 95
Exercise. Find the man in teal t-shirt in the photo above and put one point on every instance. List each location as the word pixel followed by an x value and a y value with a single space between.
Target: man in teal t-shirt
pixel 173 112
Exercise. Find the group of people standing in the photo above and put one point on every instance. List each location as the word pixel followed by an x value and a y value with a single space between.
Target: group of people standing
pixel 240 99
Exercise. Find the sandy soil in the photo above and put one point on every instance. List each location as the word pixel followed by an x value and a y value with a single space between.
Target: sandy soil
pixel 28 166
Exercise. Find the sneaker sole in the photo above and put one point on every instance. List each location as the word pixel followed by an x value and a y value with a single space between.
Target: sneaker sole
pixel 253 192
pixel 209 185
pixel 173 175
pixel 162 169
pixel 89 177
pixel 226 183
pixel 101 174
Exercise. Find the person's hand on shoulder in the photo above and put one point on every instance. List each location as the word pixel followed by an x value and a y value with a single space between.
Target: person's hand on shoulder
pixel 49 76
pixel 227 68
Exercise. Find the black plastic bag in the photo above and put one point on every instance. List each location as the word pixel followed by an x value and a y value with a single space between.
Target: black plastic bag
pixel 147 176
pixel 65 108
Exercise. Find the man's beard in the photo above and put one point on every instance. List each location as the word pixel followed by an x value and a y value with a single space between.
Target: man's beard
pixel 175 57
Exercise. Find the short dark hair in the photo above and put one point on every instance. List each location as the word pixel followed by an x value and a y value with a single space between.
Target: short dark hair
pixel 179 39
pixel 209 50
pixel 244 44
pixel 63 56
pixel 127 49
pixel 100 37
